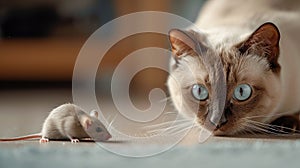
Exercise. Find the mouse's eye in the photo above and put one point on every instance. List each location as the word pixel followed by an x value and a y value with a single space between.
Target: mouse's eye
pixel 199 92
pixel 242 92
pixel 98 129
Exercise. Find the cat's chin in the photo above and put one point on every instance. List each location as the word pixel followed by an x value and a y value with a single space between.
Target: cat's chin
pixel 226 130
pixel 220 133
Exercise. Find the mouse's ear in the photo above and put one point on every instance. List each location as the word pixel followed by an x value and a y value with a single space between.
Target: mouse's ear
pixel 94 113
pixel 87 122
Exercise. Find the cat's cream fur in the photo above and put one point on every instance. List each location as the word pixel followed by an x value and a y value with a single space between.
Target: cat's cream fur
pixel 223 25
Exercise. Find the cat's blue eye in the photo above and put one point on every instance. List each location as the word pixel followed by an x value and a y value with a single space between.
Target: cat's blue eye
pixel 242 92
pixel 199 92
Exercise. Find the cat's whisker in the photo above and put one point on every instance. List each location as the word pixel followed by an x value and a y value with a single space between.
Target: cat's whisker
pixel 172 125
pixel 174 128
pixel 260 125
pixel 280 129
pixel 254 125
pixel 182 130
pixel 171 128
pixel 170 112
pixel 167 127
pixel 266 116
pixel 251 132
pixel 173 122
pixel 165 99
pixel 177 131
pixel 270 127
pixel 245 132
pixel 172 132
pixel 260 129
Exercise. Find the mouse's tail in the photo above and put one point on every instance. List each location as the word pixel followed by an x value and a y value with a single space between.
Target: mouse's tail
pixel 25 137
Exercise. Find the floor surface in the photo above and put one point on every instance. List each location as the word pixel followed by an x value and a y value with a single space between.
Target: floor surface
pixel 23 112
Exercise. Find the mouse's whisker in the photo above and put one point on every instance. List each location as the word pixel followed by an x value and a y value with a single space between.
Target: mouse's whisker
pixel 107 119
pixel 110 124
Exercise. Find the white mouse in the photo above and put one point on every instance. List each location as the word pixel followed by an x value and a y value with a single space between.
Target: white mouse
pixel 69 121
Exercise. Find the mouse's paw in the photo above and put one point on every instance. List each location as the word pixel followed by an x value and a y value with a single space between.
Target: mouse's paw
pixel 44 140
pixel 74 140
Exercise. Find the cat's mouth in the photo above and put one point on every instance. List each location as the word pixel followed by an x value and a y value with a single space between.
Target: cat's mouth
pixel 222 130
pixel 216 131
pixel 219 132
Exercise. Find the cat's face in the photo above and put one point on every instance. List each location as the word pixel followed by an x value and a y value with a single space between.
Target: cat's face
pixel 247 74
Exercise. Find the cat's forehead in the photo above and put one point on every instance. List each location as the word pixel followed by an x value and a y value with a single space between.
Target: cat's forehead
pixel 239 68
pixel 194 70
pixel 236 68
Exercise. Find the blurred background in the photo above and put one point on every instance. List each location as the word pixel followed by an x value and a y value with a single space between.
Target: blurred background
pixel 39 40
pixel 39 43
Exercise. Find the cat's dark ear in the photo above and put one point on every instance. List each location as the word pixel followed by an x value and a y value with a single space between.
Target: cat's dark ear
pixel 264 41
pixel 181 43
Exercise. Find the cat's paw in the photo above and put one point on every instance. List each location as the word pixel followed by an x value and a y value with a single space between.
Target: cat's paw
pixel 286 125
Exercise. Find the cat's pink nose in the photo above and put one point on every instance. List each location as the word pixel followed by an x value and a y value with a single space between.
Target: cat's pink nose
pixel 214 125
pixel 221 123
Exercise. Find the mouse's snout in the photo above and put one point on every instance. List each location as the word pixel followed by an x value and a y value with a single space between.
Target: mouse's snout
pixel 107 136
pixel 103 136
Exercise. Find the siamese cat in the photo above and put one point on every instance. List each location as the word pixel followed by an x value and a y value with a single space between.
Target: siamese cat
pixel 239 71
